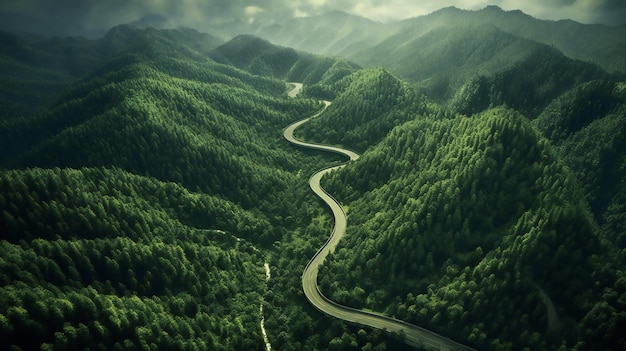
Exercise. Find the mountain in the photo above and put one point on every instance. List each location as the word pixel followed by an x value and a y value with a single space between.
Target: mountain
pixel 105 259
pixel 133 191
pixel 367 105
pixel 261 57
pixel 601 44
pixel 443 51
pixel 333 33
pixel 36 69
pixel 528 85
pixel 443 59
pixel 337 33
pixel 143 192
pixel 477 227
pixel 586 124
pixel 145 184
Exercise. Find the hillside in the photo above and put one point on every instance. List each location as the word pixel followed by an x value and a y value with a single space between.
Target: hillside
pixel 586 124
pixel 338 33
pixel 441 52
pixel 261 57
pixel 500 223
pixel 528 86
pixel 105 259
pixel 600 44
pixel 367 105
pixel 35 69
pixel 132 195
pixel 145 183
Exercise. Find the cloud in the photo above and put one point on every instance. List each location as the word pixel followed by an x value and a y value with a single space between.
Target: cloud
pixel 611 12
pixel 72 17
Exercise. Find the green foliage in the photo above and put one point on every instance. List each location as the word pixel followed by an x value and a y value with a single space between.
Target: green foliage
pixel 368 105
pixel 129 201
pixel 261 57
pixel 390 44
pixel 441 60
pixel 35 70
pixel 587 126
pixel 461 224
pixel 105 259
pixel 137 173
pixel 104 246
pixel 174 120
pixel 529 86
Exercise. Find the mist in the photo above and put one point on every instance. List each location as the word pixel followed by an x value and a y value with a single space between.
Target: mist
pixel 92 18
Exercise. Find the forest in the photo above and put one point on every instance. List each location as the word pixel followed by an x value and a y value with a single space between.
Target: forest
pixel 506 214
pixel 145 183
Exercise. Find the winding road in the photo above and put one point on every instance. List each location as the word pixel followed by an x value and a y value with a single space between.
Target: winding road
pixel 413 335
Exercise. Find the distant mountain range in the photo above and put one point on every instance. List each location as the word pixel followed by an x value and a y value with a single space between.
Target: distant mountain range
pixel 339 33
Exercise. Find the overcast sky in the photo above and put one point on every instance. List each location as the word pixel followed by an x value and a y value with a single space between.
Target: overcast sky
pixel 73 17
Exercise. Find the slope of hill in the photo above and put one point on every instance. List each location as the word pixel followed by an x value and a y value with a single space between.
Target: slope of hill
pixel 129 199
pixel 104 259
pixel 587 125
pixel 441 60
pixel 445 59
pixel 346 35
pixel 333 33
pixel 499 222
pixel 449 48
pixel 261 57
pixel 368 104
pixel 528 85
pixel 491 220
pixel 176 117
pixel 600 44
pixel 134 186
pixel 36 70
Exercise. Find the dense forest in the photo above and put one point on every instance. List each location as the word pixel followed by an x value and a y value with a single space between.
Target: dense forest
pixel 103 259
pixel 136 196
pixel 513 221
pixel 144 183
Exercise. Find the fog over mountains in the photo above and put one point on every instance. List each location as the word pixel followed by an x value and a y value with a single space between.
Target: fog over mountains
pixel 338 33
pixel 94 18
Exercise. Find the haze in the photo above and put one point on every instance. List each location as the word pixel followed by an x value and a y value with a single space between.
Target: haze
pixel 94 17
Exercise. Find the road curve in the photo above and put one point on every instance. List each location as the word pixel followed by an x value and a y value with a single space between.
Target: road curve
pixel 295 90
pixel 414 335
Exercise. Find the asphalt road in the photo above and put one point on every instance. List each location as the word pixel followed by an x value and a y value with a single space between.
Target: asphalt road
pixel 414 335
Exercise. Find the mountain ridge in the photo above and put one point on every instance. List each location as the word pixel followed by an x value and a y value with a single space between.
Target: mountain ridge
pixel 143 192
pixel 586 42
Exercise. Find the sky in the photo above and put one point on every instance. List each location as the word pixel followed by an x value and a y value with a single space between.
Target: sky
pixel 90 17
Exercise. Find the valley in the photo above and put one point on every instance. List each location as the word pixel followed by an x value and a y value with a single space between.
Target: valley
pixel 414 335
pixel 148 183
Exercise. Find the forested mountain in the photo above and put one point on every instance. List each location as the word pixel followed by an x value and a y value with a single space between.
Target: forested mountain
pixel 440 62
pixel 528 86
pixel 133 190
pixel 261 57
pixel 338 33
pixel 35 70
pixel 144 182
pixel 587 126
pixel 334 33
pixel 367 105
pixel 104 259
pixel 440 52
pixel 506 245
pixel 600 44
